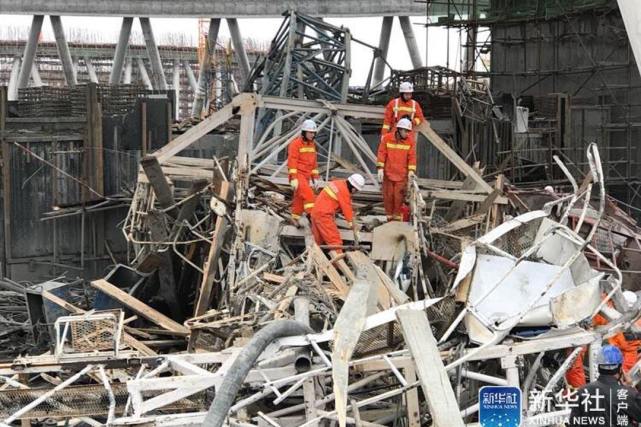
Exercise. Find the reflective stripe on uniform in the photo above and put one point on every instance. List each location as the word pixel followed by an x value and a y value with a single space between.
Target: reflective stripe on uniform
pixel 330 193
pixel 307 150
pixel 308 205
pixel 412 167
pixel 314 171
pixel 408 109
pixel 294 216
pixel 417 120
pixel 386 126
pixel 397 146
pixel 380 164
pixel 293 170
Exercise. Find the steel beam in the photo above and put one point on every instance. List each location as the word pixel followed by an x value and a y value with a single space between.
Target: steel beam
pixel 30 51
pixel 383 45
pixel 239 47
pixel 143 74
pixel 93 77
pixel 121 50
pixel 201 90
pixel 410 39
pixel 12 93
pixel 157 72
pixel 63 50
pixel 223 8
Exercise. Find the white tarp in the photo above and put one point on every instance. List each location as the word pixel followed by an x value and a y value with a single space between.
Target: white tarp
pixel 631 12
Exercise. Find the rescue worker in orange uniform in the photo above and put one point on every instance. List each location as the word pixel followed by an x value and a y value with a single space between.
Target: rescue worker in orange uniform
pixel 396 163
pixel 303 170
pixel 337 195
pixel 628 342
pixel 402 107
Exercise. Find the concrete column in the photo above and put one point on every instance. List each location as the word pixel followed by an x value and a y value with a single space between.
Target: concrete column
pixel 93 77
pixel 412 47
pixel 35 75
pixel 176 87
pixel 190 76
pixel 128 70
pixel 74 67
pixel 199 96
pixel 121 50
pixel 12 91
pixel 63 50
pixel 157 71
pixel 143 74
pixel 383 45
pixel 30 51
pixel 239 47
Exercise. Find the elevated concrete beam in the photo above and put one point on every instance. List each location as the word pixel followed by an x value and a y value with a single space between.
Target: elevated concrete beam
pixel 30 51
pixel 383 45
pixel 157 71
pixel 128 70
pixel 12 92
pixel 35 76
pixel 239 48
pixel 410 40
pixel 221 8
pixel 121 50
pixel 201 90
pixel 93 77
pixel 143 74
pixel 63 50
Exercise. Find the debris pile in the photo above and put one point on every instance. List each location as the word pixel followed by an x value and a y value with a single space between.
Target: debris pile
pixel 227 313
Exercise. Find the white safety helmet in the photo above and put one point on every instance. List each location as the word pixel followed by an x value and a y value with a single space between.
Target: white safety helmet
pixel 406 87
pixel 357 181
pixel 404 124
pixel 630 297
pixel 309 126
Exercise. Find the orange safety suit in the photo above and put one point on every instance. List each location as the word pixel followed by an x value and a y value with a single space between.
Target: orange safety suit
pixel 334 196
pixel 397 157
pixel 398 108
pixel 628 343
pixel 303 166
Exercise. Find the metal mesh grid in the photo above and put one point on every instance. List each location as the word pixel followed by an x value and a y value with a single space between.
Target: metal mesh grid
pixel 82 400
pixel 89 335
pixel 519 240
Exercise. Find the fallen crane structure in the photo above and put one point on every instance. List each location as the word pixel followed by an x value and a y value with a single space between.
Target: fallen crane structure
pixel 228 315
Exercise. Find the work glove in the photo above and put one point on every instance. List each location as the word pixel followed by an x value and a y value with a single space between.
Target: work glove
pixel 315 184
pixel 357 236
pixel 411 175
pixel 380 175
pixel 294 184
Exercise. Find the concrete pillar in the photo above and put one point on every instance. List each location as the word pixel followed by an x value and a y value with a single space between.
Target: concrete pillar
pixel 128 70
pixel 74 67
pixel 176 87
pixel 35 75
pixel 157 71
pixel 199 96
pixel 143 74
pixel 121 50
pixel 30 51
pixel 93 77
pixel 12 91
pixel 383 45
pixel 190 76
pixel 63 50
pixel 239 47
pixel 412 47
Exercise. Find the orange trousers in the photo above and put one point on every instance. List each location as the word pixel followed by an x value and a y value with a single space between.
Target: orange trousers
pixel 325 231
pixel 393 198
pixel 575 376
pixel 303 200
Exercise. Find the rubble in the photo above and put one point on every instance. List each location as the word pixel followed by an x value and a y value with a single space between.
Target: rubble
pixel 226 313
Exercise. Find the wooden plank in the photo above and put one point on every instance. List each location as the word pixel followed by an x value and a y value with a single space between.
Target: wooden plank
pixel 467 170
pixel 128 339
pixel 158 181
pixel 360 261
pixel 139 307
pixel 321 261
pixel 429 366
pixel 466 197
